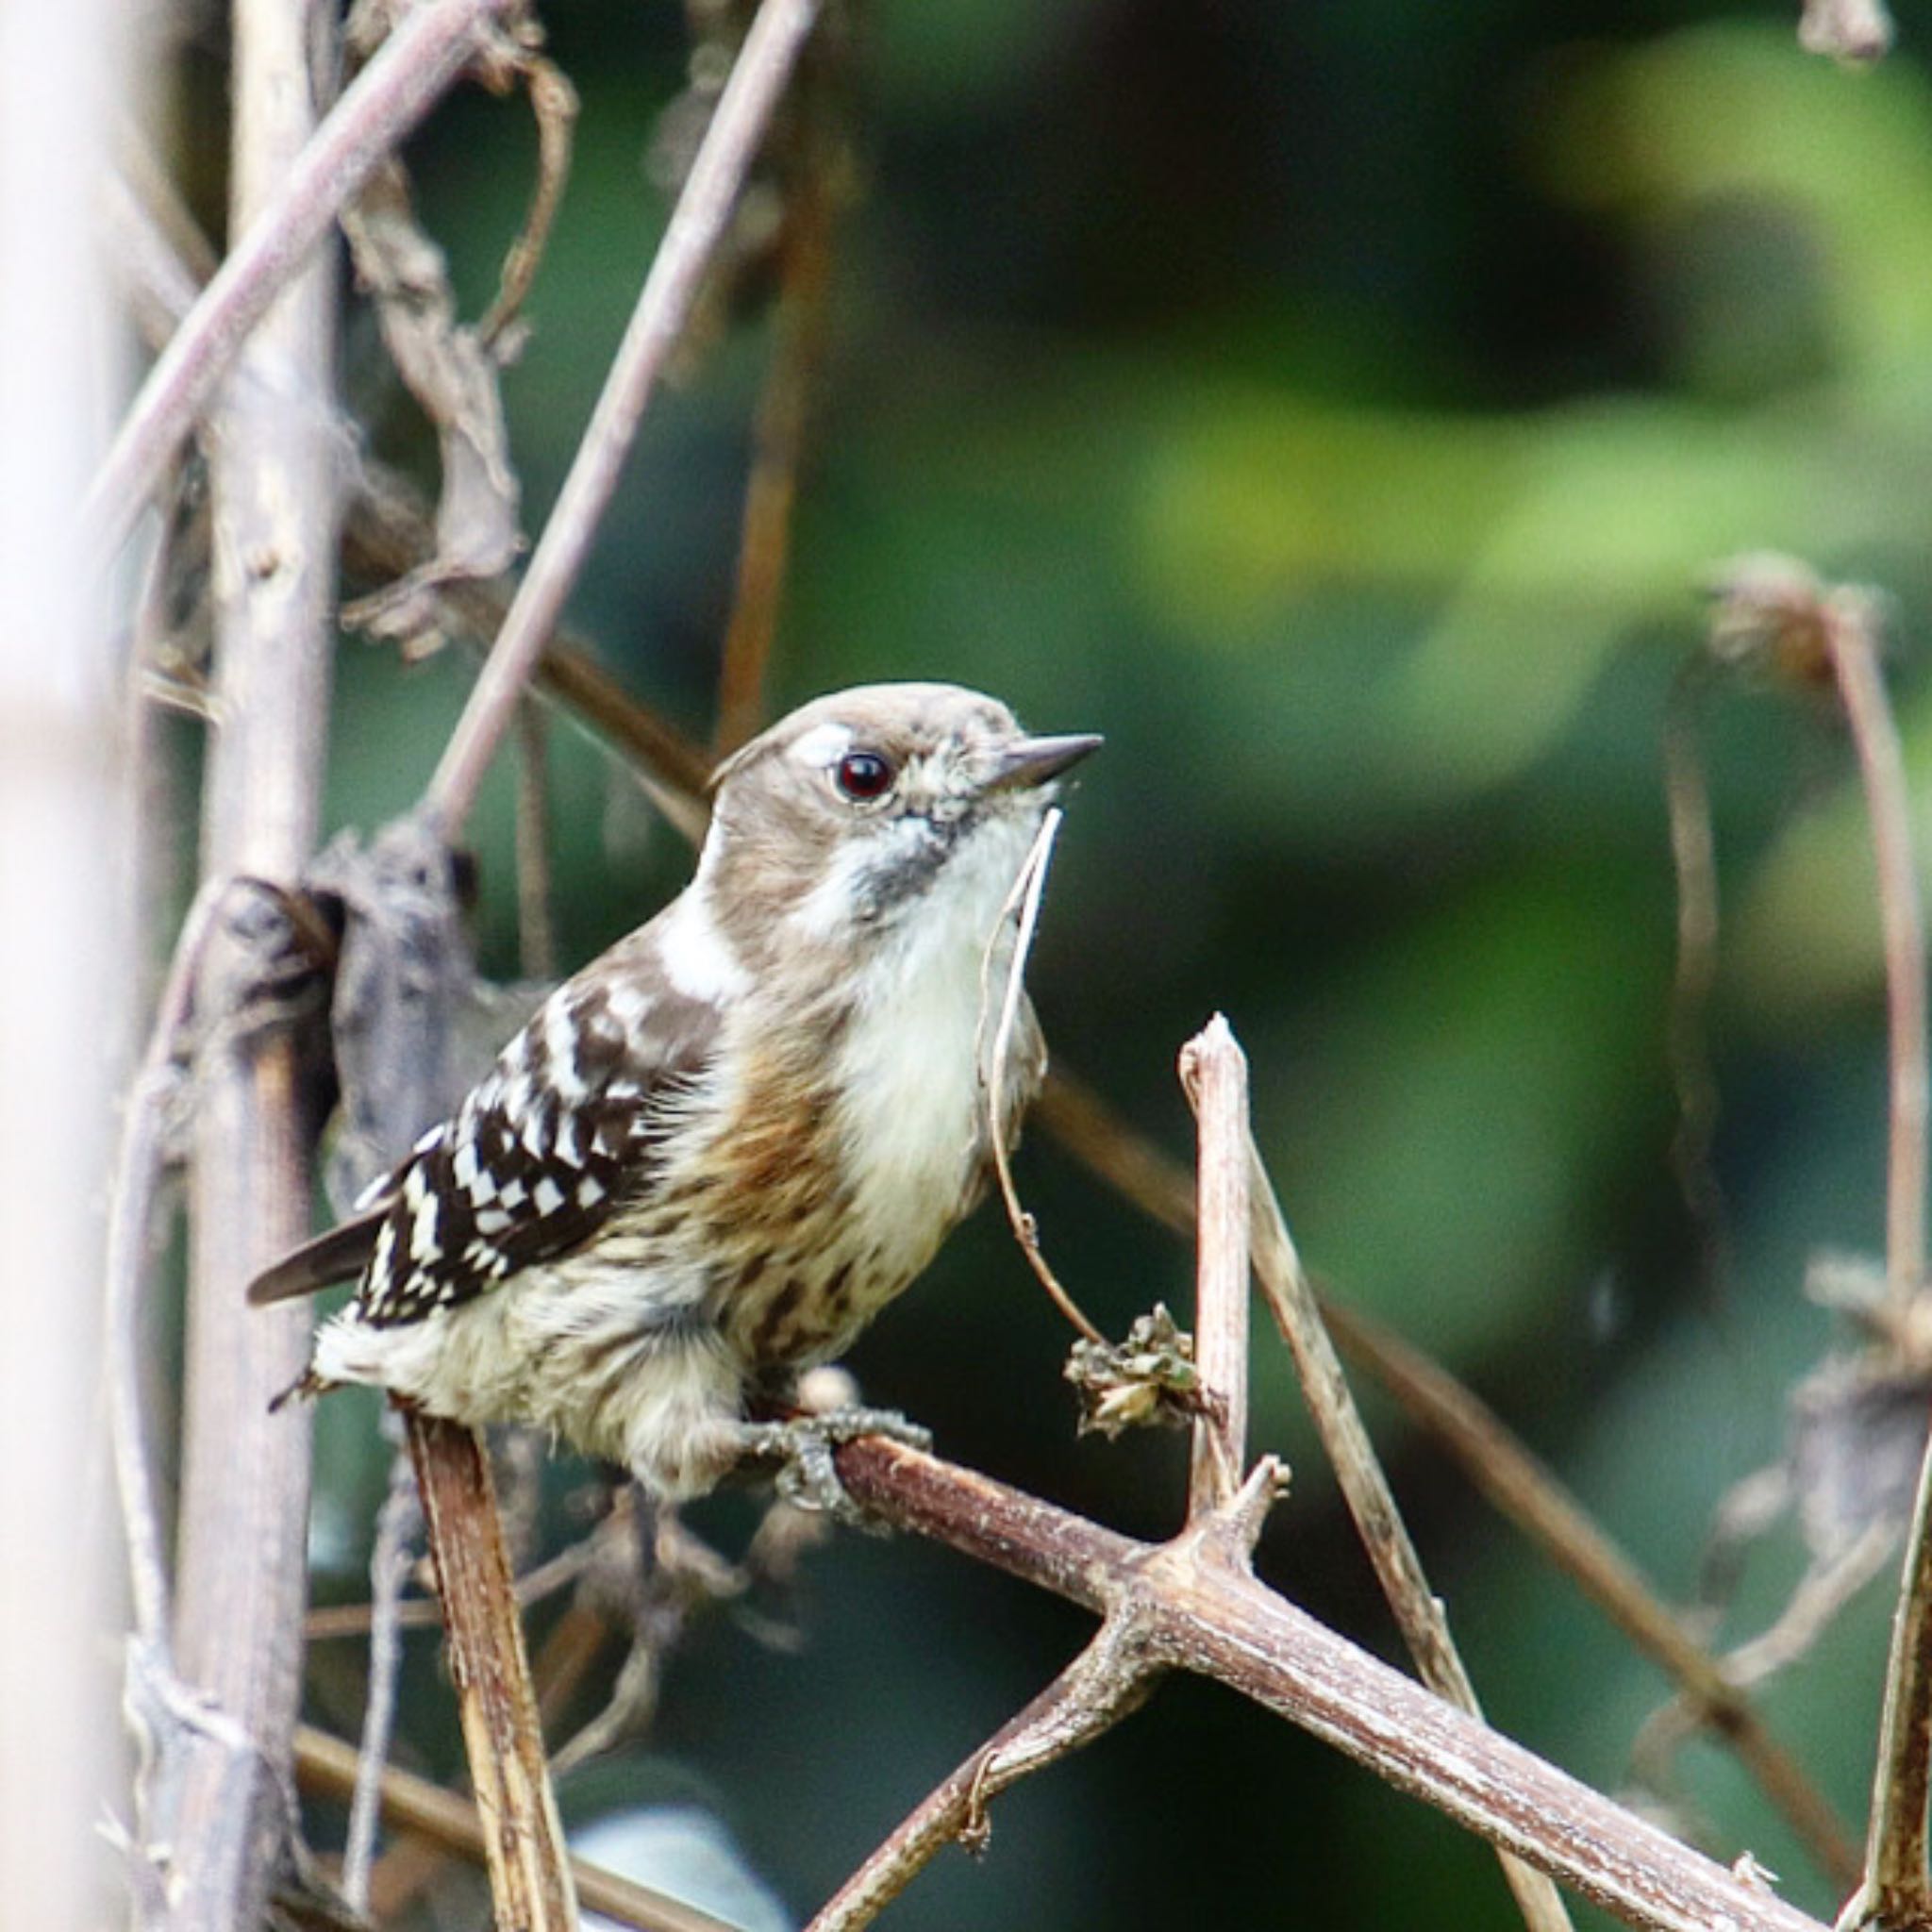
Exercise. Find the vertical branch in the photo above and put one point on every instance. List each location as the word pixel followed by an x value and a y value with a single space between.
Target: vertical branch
pixel 244 1516
pixel 1419 1612
pixel 778 448
pixel 1851 637
pixel 65 969
pixel 1897 1888
pixel 1214 1072
pixel 530 1869
pixel 663 305
pixel 280 233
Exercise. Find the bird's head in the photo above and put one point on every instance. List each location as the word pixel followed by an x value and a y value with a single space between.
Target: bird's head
pixel 872 809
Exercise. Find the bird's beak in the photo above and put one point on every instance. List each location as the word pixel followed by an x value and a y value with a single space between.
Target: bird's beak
pixel 1030 761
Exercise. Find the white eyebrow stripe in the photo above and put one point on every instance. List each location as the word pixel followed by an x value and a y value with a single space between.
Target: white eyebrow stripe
pixel 823 744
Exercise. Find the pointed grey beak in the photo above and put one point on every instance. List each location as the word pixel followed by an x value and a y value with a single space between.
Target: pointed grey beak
pixel 1030 761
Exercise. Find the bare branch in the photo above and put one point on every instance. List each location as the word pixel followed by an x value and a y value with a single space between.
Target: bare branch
pixel 530 1867
pixel 1210 1618
pixel 1111 1679
pixel 1214 1073
pixel 699 221
pixel 326 1765
pixel 1897 1888
pixel 1851 636
pixel 130 1212
pixel 1419 1612
pixel 397 88
pixel 778 436
pixel 1693 858
pixel 1029 884
pixel 242 1573
pixel 1520 1487
pixel 398 1526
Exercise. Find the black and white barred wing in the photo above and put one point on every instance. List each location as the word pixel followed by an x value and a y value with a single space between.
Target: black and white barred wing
pixel 561 1132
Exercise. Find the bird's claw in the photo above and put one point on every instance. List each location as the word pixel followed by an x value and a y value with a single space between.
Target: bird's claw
pixel 802 1445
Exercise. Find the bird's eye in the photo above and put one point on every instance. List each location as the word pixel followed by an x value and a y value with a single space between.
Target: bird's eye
pixel 864 776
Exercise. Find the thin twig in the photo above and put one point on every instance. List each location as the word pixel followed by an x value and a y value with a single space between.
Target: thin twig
pixel 1693 858
pixel 1115 1674
pixel 663 305
pixel 1111 1679
pixel 1206 1615
pixel 1523 1489
pixel 398 87
pixel 397 1524
pixel 777 442
pixel 1214 1074
pixel 424 1612
pixel 536 929
pixel 326 1766
pixel 138 1163
pixel 530 1867
pixel 1897 1888
pixel 1419 1612
pixel 1029 884
pixel 1851 636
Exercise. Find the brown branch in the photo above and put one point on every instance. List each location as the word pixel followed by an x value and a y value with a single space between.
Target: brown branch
pixel 1116 1672
pixel 274 463
pixel 387 531
pixel 279 238
pixel 1530 1495
pixel 1111 1679
pixel 1897 1888
pixel 1522 1487
pixel 1419 1612
pixel 1204 1614
pixel 778 435
pixel 1694 861
pixel 398 1524
pixel 326 1766
pixel 530 1867
pixel 536 928
pixel 138 1163
pixel 1851 636
pixel 1214 1073
pixel 663 305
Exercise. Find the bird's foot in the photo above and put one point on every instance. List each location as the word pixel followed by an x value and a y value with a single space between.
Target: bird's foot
pixel 802 1445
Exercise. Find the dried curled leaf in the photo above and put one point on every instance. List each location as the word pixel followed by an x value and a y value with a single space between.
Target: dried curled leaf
pixel 1773 614
pixel 1857 1422
pixel 453 375
pixel 1148 1380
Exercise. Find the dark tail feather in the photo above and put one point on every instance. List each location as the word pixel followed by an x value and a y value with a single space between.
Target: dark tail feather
pixel 338 1255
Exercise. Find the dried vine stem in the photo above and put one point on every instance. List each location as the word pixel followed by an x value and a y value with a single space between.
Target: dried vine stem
pixel 1214 1076
pixel 523 1838
pixel 1117 1672
pixel 1029 884
pixel 326 1766
pixel 398 87
pixel 1203 1613
pixel 1419 1612
pixel 698 223
pixel 1896 1891
pixel 1527 1492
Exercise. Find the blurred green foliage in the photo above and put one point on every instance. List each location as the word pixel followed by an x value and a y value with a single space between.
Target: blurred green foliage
pixel 1338 406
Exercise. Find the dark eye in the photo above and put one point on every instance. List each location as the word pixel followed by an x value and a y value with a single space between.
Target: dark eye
pixel 865 775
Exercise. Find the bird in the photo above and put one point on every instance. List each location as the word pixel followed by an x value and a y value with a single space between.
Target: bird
pixel 719 1150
